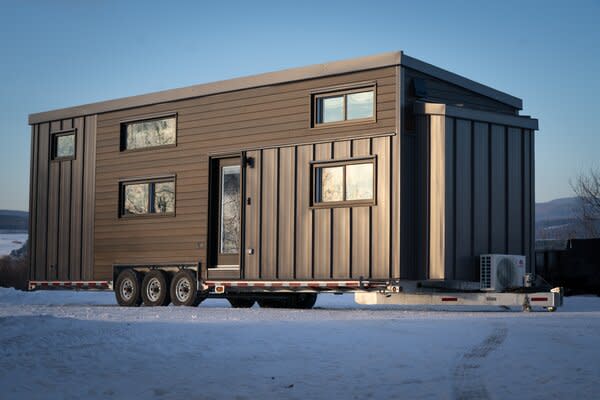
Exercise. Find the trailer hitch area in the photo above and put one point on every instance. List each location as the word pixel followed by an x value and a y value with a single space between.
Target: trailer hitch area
pixel 391 287
pixel 526 305
pixel 561 293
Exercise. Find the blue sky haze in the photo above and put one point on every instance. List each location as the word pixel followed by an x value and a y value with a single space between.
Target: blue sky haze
pixel 65 53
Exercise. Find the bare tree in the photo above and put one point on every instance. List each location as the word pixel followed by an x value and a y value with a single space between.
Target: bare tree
pixel 587 187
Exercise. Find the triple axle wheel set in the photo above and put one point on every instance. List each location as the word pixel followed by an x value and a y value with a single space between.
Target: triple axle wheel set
pixel 160 288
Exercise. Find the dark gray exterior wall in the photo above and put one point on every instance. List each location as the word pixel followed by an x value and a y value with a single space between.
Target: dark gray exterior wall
pixel 74 204
pixel 62 203
pixel 478 196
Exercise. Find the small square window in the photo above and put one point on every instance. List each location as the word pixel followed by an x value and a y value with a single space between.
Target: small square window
pixel 344 183
pixel 63 145
pixel 354 105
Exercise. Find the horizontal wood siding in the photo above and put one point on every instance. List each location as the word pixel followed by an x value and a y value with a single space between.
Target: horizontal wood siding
pixel 264 117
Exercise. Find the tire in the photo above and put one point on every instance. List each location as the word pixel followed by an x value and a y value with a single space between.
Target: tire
pixel 155 289
pixel 241 302
pixel 276 301
pixel 304 301
pixel 273 302
pixel 184 289
pixel 128 289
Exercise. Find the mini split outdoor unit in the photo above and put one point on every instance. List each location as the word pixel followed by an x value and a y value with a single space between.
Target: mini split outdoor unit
pixel 501 271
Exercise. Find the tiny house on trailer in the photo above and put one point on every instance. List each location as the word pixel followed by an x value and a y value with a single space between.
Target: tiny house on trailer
pixel 377 174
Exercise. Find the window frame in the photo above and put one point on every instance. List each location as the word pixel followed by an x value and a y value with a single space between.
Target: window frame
pixel 150 181
pixel 342 91
pixel 53 144
pixel 147 118
pixel 314 203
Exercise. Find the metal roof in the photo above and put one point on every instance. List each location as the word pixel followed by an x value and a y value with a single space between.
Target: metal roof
pixel 273 78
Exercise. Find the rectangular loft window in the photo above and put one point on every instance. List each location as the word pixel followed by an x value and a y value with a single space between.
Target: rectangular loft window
pixel 345 106
pixel 63 145
pixel 344 183
pixel 150 133
pixel 147 197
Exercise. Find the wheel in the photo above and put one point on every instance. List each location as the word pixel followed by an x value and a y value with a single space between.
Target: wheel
pixel 155 289
pixel 304 301
pixel 274 302
pixel 127 289
pixel 241 302
pixel 184 289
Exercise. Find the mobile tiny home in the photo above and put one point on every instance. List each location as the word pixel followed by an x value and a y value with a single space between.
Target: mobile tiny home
pixel 340 176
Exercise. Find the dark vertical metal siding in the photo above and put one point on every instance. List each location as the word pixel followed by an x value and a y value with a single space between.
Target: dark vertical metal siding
pixel 62 204
pixel 514 171
pixel 463 201
pixel 361 218
pixel 270 211
pixel 487 192
pixel 498 189
pixel 481 188
pixel 89 199
pixel 76 211
pixel 421 198
pixel 322 226
pixel 408 206
pixel 530 163
pixel 293 240
pixel 33 201
pixel 304 215
pixel 287 213
pixel 41 194
pixel 52 230
pixel 252 226
pixel 340 263
pixel 380 217
pixel 450 189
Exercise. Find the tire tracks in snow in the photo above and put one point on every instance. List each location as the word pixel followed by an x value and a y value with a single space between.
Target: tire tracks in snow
pixel 468 382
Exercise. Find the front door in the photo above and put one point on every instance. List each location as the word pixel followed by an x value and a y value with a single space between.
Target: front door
pixel 227 213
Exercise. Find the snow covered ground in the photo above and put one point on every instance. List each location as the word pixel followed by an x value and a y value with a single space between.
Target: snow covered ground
pixel 80 344
pixel 11 241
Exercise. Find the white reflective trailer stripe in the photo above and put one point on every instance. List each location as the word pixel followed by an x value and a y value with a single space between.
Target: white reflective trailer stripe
pixel 288 284
pixel 70 284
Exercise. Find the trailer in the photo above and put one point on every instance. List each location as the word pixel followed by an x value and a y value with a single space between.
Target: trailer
pixel 381 176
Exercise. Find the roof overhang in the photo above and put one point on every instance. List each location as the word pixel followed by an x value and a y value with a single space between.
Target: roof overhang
pixel 273 78
pixel 476 115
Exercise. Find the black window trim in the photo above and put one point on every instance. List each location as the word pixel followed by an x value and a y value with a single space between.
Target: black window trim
pixel 338 163
pixel 146 180
pixel 53 138
pixel 339 91
pixel 146 118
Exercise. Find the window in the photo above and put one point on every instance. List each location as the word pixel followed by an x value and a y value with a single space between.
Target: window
pixel 63 145
pixel 149 133
pixel 350 182
pixel 354 105
pixel 230 209
pixel 151 197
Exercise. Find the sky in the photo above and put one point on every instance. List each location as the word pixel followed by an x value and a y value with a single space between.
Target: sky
pixel 66 53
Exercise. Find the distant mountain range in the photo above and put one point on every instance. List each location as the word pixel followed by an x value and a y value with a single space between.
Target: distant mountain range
pixel 555 219
pixel 559 219
pixel 11 220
